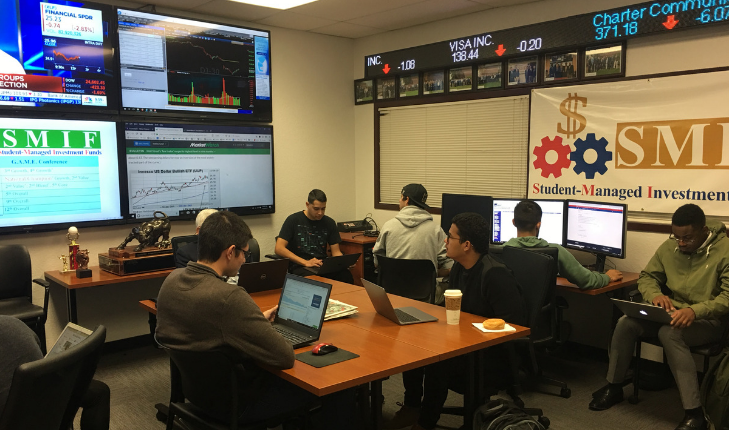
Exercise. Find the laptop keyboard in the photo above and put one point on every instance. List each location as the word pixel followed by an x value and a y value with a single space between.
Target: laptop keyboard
pixel 293 338
pixel 404 316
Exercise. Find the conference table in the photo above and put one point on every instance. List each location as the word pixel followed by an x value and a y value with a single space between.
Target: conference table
pixel 385 348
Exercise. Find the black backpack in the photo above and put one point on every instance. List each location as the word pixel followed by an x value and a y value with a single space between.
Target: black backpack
pixel 501 414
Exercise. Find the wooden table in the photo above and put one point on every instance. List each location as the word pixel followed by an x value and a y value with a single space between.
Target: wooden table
pixel 71 283
pixel 384 347
pixel 353 243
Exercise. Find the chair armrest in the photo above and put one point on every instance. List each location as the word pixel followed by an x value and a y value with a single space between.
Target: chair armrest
pixel 42 282
pixel 273 257
pixel 47 287
pixel 635 296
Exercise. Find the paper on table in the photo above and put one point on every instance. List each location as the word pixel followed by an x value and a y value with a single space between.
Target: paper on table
pixel 506 328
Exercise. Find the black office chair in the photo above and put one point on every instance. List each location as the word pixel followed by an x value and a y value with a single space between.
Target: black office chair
pixel 180 241
pixel 707 351
pixel 16 290
pixel 209 382
pixel 414 279
pixel 535 269
pixel 255 251
pixel 46 393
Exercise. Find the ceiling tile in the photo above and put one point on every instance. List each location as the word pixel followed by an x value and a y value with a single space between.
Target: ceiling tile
pixel 294 21
pixel 344 10
pixel 231 9
pixel 344 29
pixel 177 4
pixel 421 13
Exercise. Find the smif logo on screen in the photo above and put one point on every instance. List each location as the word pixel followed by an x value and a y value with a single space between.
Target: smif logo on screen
pixel 639 145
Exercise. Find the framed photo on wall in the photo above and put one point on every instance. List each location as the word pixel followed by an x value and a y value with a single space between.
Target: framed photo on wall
pixel 560 67
pixel 489 76
pixel 433 82
pixel 460 79
pixel 522 71
pixel 604 61
pixel 363 91
pixel 409 85
pixel 386 89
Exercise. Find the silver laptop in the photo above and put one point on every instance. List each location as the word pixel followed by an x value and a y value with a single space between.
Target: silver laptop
pixel 383 306
pixel 643 311
pixel 263 276
pixel 335 264
pixel 301 309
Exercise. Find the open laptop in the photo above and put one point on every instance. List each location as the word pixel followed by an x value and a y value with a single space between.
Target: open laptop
pixel 643 311
pixel 263 276
pixel 301 309
pixel 335 264
pixel 71 336
pixel 383 306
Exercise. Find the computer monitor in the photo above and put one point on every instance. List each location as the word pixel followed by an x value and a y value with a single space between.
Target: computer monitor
pixel 552 228
pixel 454 204
pixel 597 227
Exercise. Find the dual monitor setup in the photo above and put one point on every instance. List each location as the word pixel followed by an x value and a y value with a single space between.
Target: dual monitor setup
pixel 595 227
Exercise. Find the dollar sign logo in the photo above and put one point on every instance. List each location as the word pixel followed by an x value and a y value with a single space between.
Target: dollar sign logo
pixel 568 108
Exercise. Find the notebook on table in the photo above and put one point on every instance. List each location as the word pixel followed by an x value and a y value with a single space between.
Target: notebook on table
pixel 263 276
pixel 383 306
pixel 643 311
pixel 335 264
pixel 301 309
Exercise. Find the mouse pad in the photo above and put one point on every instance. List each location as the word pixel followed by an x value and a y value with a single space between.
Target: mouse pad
pixel 325 360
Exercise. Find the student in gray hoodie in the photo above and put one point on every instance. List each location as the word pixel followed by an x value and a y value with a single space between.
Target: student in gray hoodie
pixel 412 235
pixel 528 220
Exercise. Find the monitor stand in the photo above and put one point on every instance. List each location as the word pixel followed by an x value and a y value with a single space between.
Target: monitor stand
pixel 600 263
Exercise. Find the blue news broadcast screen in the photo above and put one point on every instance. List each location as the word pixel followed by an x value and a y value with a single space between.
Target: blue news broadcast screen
pixel 56 55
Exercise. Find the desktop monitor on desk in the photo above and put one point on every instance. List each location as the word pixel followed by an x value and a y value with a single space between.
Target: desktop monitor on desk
pixel 597 227
pixel 502 227
pixel 454 204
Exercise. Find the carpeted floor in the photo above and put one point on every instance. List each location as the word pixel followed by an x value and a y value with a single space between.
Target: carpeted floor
pixel 139 378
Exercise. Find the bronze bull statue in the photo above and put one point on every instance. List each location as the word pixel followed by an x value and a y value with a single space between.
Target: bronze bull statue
pixel 149 232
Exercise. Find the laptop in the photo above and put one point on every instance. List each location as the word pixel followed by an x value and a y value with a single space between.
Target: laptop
pixel 71 336
pixel 383 306
pixel 335 264
pixel 301 309
pixel 263 276
pixel 643 311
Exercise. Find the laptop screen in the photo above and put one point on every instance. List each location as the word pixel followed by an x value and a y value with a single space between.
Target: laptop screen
pixel 303 302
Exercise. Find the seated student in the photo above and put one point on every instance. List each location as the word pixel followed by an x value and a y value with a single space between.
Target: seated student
pixel 490 290
pixel 198 311
pixel 21 345
pixel 304 237
pixel 188 251
pixel 689 276
pixel 528 220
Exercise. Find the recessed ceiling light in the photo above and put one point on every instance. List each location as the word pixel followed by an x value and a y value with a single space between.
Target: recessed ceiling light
pixel 276 4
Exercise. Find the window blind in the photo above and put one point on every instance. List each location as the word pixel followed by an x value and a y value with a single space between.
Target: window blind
pixel 476 147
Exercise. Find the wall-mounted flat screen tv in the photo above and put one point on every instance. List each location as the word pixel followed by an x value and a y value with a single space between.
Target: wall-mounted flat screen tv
pixel 57 56
pixel 174 66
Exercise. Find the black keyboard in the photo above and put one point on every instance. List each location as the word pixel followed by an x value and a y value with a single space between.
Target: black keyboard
pixel 293 338
pixel 404 316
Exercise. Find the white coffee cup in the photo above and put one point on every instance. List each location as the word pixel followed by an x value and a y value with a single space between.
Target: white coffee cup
pixel 453 306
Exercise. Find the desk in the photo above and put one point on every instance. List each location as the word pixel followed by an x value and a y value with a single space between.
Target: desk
pixel 71 283
pixel 385 348
pixel 353 243
pixel 629 279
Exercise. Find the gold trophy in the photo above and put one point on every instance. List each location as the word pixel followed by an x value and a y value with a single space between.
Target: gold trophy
pixel 82 258
pixel 64 260
pixel 72 236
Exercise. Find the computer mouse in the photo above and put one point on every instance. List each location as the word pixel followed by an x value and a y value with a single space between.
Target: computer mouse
pixel 323 349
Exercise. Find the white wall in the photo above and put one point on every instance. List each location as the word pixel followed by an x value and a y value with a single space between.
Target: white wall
pixel 313 148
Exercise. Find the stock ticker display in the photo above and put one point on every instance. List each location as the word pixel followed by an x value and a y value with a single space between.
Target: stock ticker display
pixel 585 30
pixel 55 53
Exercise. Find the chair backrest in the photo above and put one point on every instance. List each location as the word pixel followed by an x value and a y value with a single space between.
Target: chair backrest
pixel 46 393
pixel 414 279
pixel 255 251
pixel 207 379
pixel 15 272
pixel 536 272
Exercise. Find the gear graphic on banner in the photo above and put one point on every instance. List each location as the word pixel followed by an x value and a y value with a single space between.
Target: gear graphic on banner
pixel 603 156
pixel 563 157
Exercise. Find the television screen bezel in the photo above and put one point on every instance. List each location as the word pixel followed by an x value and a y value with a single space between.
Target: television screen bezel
pixel 624 247
pixel 192 115
pixel 113 89
pixel 124 194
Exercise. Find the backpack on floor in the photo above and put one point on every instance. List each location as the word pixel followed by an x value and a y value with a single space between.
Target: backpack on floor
pixel 500 414
pixel 715 393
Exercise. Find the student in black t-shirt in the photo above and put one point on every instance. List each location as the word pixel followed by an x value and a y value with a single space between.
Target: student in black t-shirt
pixel 305 235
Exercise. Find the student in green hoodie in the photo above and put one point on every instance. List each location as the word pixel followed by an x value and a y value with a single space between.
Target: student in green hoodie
pixel 528 220
pixel 689 277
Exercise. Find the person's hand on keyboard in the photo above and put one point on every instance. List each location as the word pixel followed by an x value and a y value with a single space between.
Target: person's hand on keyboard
pixel 615 275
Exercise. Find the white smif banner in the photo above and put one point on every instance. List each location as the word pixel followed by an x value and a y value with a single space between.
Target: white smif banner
pixel 655 144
